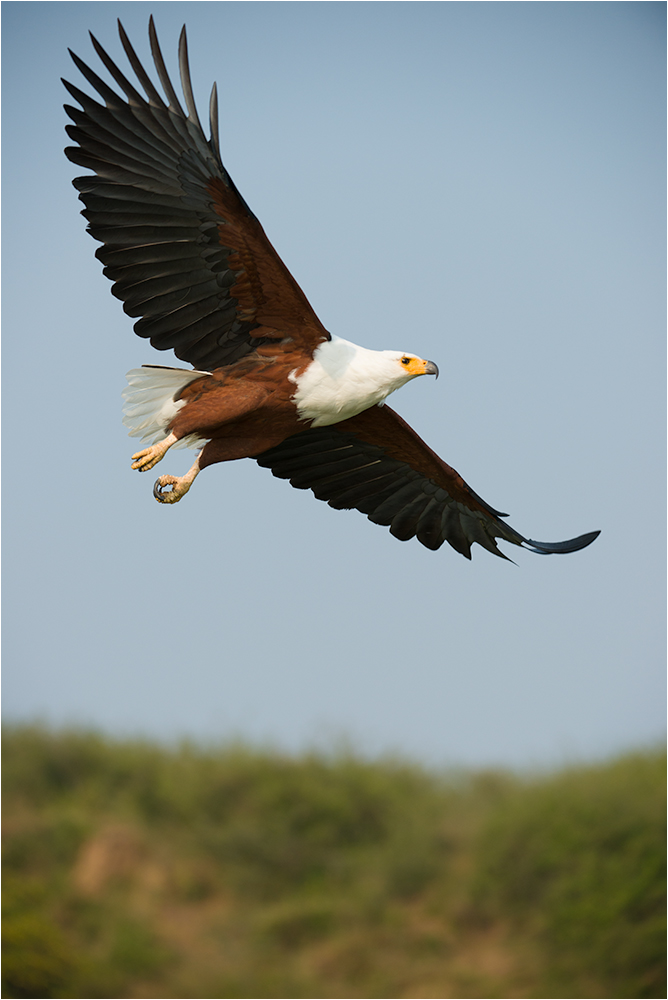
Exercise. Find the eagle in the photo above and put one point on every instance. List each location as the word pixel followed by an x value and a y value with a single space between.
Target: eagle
pixel 189 260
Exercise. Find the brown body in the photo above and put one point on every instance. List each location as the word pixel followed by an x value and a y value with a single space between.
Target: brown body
pixel 244 409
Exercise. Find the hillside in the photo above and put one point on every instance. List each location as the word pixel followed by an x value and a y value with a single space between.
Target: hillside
pixel 132 870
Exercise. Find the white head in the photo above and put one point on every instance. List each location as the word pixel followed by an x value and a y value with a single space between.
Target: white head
pixel 396 367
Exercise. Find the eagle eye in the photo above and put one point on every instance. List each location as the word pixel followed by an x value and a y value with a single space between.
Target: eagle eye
pixel 405 361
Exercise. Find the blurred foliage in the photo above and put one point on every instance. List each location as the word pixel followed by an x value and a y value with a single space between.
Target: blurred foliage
pixel 133 870
pixel 587 873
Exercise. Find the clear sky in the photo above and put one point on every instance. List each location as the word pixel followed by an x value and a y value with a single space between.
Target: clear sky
pixel 481 184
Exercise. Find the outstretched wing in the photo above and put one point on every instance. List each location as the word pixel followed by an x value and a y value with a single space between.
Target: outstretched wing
pixel 376 463
pixel 184 250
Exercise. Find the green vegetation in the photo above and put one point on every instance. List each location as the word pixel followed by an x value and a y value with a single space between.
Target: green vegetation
pixel 137 871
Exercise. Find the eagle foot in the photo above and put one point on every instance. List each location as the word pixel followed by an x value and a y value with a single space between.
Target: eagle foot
pixel 148 457
pixel 179 487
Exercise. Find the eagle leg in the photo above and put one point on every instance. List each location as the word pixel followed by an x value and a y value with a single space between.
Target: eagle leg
pixel 148 457
pixel 179 485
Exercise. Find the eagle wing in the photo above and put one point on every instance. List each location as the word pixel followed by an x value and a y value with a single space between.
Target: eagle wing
pixel 376 463
pixel 184 250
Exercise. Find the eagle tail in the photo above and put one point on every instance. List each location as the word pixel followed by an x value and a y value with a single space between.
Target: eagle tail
pixel 151 403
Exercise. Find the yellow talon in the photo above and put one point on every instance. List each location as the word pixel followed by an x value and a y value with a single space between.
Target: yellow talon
pixel 179 485
pixel 148 457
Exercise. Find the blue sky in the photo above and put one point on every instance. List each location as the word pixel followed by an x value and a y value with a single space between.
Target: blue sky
pixel 481 184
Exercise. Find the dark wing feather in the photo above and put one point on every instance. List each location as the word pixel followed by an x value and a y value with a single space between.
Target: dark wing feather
pixel 186 254
pixel 376 463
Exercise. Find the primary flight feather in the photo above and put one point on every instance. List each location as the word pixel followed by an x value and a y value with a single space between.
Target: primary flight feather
pixel 190 260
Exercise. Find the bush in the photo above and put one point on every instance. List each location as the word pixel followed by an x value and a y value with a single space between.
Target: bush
pixel 132 869
pixel 579 859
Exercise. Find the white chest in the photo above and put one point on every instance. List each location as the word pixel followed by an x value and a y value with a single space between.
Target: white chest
pixel 343 380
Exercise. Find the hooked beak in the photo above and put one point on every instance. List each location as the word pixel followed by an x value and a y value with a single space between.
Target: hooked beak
pixel 431 368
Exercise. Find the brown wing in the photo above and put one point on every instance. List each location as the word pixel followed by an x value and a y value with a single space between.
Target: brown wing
pixel 377 464
pixel 184 250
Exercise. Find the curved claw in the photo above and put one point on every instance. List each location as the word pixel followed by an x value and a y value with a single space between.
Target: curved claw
pixel 157 490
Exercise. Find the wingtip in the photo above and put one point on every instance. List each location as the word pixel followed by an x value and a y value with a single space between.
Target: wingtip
pixel 152 33
pixel 213 122
pixel 570 545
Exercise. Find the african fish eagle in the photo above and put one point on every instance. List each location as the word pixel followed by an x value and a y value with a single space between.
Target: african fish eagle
pixel 268 382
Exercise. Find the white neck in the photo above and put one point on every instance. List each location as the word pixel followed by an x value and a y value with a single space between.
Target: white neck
pixel 344 379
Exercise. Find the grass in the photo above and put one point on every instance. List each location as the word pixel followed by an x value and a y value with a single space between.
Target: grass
pixel 137 871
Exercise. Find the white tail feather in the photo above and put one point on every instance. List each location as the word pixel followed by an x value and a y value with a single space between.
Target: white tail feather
pixel 150 404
